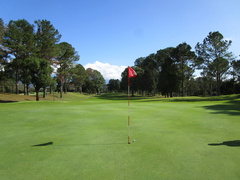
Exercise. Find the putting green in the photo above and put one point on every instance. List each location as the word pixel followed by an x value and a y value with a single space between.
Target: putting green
pixel 178 138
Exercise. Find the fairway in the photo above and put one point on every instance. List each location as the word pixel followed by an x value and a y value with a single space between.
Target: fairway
pixel 86 138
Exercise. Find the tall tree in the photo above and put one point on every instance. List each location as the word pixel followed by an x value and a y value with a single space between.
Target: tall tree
pixel 139 62
pixel 95 81
pixel 1 31
pixel 114 85
pixel 184 58
pixel 79 76
pixel 20 43
pixel 40 71
pixel 4 80
pixel 47 38
pixel 168 76
pixel 236 70
pixel 214 57
pixel 142 76
pixel 2 49
pixel 135 83
pixel 150 67
pixel 66 56
pixel 205 85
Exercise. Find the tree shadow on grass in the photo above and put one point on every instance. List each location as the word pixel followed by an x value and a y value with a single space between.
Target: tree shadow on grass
pixel 103 144
pixel 231 108
pixel 197 98
pixel 234 143
pixel 6 101
pixel 211 98
pixel 116 96
pixel 44 144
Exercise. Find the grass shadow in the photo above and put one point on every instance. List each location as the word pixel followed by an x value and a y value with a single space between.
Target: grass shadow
pixel 234 143
pixel 118 96
pixel 231 108
pixel 44 144
pixel 194 98
pixel 212 98
pixel 6 101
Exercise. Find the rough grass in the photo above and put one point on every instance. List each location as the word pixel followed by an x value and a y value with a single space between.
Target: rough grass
pixel 178 138
pixel 7 98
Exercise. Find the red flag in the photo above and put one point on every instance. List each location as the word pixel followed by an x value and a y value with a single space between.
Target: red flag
pixel 131 72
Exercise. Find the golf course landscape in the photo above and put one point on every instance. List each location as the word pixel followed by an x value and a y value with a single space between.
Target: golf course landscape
pixel 86 137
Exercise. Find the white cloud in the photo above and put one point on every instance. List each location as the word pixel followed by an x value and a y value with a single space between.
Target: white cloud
pixel 107 70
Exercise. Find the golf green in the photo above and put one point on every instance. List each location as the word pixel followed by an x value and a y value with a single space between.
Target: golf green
pixel 86 138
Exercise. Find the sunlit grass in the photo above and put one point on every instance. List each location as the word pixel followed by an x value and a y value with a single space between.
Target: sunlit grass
pixel 174 138
pixel 50 97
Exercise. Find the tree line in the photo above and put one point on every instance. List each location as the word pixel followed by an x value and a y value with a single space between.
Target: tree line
pixel 29 54
pixel 32 55
pixel 171 71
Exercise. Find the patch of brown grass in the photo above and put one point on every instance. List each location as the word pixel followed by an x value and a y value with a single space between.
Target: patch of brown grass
pixel 17 98
pixel 5 98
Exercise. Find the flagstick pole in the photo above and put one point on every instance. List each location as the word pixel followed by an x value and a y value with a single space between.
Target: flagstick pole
pixel 129 111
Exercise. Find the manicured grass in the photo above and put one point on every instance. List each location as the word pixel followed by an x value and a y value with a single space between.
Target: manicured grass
pixel 177 138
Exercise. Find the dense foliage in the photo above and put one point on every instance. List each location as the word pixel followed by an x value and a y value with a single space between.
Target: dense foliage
pixel 171 71
pixel 31 56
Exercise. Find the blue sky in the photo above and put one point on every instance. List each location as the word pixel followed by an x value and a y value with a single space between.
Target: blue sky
pixel 116 32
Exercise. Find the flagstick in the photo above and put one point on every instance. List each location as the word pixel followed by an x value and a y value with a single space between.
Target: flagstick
pixel 129 111
pixel 131 74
